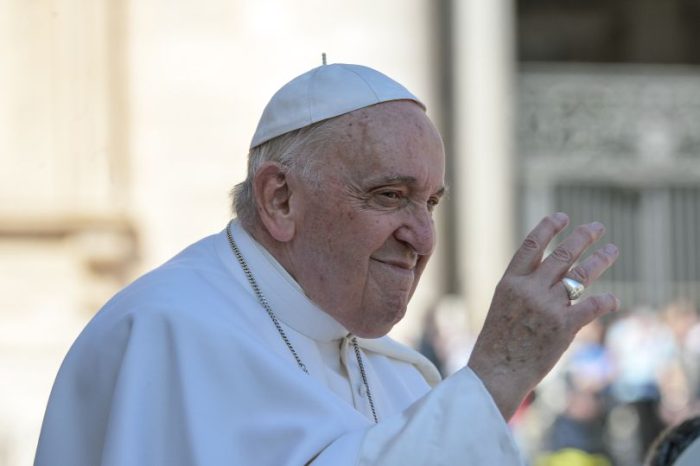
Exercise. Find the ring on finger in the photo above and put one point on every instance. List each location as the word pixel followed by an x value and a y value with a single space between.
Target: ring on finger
pixel 573 288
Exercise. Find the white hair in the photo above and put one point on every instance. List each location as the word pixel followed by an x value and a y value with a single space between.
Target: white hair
pixel 297 151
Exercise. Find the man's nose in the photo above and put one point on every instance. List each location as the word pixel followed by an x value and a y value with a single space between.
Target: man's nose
pixel 418 231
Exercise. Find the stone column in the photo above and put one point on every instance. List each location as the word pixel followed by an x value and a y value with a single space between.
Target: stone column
pixel 484 191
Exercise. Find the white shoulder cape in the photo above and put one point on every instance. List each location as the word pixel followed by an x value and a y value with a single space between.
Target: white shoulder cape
pixel 183 367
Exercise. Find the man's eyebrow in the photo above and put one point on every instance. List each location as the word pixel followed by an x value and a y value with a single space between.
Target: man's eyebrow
pixel 402 179
pixel 392 179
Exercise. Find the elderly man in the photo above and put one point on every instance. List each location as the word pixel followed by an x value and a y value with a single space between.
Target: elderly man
pixel 265 344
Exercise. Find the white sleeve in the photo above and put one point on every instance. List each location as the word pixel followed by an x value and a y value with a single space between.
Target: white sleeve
pixel 456 423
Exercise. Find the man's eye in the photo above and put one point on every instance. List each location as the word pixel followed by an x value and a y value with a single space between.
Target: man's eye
pixel 390 199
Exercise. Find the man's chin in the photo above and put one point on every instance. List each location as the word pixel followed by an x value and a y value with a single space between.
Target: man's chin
pixel 380 329
pixel 374 332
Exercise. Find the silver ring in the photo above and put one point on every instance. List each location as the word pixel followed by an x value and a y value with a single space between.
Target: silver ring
pixel 573 288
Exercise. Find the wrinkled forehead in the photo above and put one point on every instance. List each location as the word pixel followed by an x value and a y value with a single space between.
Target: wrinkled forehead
pixel 393 138
pixel 401 126
pixel 385 124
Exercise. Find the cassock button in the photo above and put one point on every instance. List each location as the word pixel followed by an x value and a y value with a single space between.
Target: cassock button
pixel 362 390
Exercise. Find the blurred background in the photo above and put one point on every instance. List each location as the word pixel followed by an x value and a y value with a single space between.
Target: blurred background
pixel 124 125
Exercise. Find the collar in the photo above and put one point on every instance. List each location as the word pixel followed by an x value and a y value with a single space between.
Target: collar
pixel 283 293
pixel 296 310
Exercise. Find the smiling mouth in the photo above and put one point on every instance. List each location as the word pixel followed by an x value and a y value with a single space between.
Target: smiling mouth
pixel 397 264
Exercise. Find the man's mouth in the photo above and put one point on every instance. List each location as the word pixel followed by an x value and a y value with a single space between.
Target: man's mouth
pixel 403 265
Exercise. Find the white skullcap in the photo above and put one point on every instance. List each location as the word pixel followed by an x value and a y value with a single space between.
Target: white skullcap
pixel 325 92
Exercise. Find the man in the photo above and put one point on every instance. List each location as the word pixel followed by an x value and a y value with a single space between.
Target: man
pixel 265 344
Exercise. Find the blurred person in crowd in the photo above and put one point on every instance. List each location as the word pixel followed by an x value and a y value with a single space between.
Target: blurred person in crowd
pixel 578 431
pixel 577 434
pixel 678 445
pixel 446 338
pixel 641 346
pixel 266 343
pixel 680 379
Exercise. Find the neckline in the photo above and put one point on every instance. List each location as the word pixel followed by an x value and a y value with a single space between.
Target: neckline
pixel 284 294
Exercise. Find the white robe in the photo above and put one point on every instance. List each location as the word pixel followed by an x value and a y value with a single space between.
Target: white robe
pixel 184 367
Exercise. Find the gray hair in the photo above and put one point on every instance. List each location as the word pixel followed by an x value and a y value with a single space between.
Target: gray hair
pixel 297 151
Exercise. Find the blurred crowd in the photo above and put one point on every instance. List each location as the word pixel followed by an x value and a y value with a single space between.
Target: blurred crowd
pixel 624 380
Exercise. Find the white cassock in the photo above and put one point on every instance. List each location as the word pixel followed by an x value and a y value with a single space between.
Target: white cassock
pixel 185 367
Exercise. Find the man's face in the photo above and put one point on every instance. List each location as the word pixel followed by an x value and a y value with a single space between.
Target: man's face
pixel 366 229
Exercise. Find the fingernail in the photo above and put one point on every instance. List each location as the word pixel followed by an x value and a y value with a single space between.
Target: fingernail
pixel 561 217
pixel 610 249
pixel 597 227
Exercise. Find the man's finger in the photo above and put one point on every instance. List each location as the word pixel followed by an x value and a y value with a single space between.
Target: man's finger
pixel 530 253
pixel 558 263
pixel 590 308
pixel 593 267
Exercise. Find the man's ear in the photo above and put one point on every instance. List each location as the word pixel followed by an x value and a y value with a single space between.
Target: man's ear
pixel 272 195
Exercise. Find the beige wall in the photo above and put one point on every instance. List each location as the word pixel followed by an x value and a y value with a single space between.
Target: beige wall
pixel 123 125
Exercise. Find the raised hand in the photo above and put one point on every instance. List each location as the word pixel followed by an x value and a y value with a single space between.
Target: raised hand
pixel 532 321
